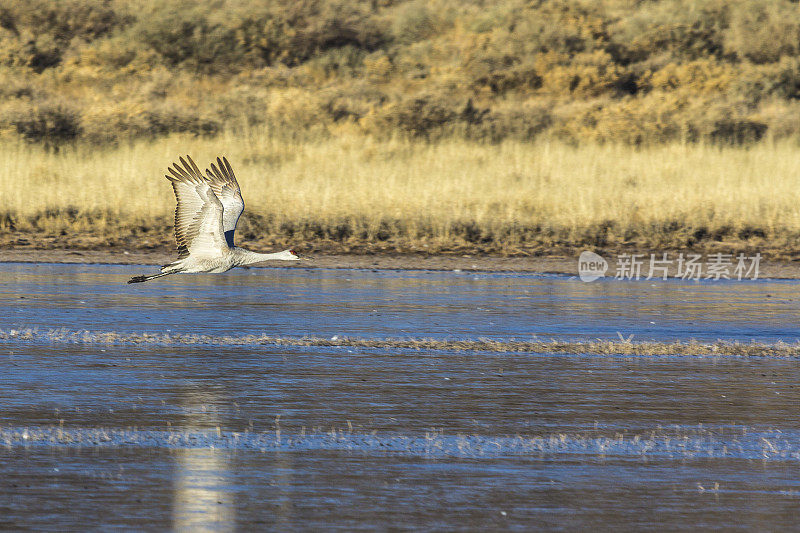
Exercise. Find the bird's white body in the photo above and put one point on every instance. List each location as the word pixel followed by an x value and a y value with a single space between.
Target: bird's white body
pixel 205 220
pixel 227 260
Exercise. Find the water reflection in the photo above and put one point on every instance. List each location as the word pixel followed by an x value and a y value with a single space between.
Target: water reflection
pixel 283 483
pixel 203 480
pixel 202 497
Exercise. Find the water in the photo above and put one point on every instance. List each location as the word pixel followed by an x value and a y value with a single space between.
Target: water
pixel 396 304
pixel 220 438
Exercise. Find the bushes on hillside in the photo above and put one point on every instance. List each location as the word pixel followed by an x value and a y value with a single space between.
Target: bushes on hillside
pixel 713 70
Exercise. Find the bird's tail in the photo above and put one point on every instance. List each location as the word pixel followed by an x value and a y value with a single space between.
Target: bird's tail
pixel 142 279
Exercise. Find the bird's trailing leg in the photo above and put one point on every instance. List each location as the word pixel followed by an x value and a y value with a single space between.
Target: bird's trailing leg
pixel 142 279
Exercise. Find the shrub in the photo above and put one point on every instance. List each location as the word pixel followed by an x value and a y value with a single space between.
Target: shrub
pixel 292 32
pixel 780 79
pixel 63 20
pixel 636 121
pixel 188 38
pixel 38 32
pixel 724 123
pixel 763 31
pixel 676 30
pixel 699 77
pixel 420 116
pixel 51 124
pixel 634 72
pixel 523 121
pixel 585 75
pixel 414 22
pixel 737 130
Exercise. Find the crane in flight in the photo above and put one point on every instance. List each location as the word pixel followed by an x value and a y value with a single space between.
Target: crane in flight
pixel 205 219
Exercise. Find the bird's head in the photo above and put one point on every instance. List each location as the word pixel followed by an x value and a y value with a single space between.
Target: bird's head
pixel 289 255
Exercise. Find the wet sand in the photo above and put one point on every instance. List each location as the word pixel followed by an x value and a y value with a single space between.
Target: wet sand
pixel 478 263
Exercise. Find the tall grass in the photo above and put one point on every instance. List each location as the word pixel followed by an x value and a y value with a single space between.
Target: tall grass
pixel 353 192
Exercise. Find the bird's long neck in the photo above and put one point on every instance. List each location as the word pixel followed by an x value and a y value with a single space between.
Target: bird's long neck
pixel 246 257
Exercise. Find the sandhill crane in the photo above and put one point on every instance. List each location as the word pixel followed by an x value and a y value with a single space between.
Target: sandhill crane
pixel 205 220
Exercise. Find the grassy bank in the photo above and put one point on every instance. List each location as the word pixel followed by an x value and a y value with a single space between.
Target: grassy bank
pixel 509 127
pixel 355 193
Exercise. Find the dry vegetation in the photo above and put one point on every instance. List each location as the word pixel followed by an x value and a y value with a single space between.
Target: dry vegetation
pixel 361 194
pixel 510 127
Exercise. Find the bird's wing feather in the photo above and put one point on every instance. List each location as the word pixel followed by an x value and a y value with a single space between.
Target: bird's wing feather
pixel 205 232
pixel 199 213
pixel 223 182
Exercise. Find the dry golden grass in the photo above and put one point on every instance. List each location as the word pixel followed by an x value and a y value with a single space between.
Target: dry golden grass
pixel 350 191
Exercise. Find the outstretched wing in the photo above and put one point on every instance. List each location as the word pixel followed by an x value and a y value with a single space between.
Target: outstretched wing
pixel 199 213
pixel 225 186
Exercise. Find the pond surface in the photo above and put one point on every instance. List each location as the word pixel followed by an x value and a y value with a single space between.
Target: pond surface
pixel 220 438
pixel 364 303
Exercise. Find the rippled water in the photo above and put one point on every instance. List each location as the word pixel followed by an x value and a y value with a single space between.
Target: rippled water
pixel 278 437
pixel 398 304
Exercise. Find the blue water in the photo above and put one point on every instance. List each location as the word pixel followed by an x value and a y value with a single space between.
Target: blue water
pixel 220 438
pixel 363 303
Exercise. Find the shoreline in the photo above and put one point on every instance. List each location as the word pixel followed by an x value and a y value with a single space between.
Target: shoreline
pixel 555 264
